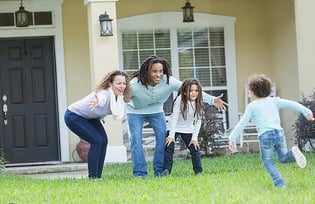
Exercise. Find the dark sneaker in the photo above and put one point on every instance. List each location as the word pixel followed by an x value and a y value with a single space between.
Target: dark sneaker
pixel 299 157
pixel 165 172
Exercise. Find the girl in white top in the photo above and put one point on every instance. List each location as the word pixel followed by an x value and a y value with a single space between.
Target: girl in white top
pixel 186 123
pixel 84 117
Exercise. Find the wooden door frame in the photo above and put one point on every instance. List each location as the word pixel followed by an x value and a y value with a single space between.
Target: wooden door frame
pixel 56 31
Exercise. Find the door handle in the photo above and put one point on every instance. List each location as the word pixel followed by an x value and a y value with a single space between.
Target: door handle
pixel 4 98
pixel 5 109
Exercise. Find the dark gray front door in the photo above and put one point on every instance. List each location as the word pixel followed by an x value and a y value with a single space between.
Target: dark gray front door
pixel 29 123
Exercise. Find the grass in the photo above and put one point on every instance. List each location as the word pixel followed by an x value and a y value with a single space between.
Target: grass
pixel 228 179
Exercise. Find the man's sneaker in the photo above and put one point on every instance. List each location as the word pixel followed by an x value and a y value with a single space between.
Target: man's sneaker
pixel 299 157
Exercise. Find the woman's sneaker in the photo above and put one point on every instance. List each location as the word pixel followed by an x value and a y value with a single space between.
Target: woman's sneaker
pixel 299 157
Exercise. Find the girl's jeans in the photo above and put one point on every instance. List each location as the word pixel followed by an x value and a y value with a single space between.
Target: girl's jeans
pixel 195 153
pixel 158 123
pixel 92 131
pixel 270 141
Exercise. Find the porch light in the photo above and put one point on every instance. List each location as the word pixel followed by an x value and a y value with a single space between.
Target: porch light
pixel 21 17
pixel 106 25
pixel 188 12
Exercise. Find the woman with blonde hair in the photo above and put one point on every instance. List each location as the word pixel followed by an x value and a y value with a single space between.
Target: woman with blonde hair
pixel 84 117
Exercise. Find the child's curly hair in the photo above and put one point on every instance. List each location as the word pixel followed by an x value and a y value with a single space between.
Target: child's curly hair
pixel 260 85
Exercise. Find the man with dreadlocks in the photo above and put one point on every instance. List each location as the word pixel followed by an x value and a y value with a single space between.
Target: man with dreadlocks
pixel 150 88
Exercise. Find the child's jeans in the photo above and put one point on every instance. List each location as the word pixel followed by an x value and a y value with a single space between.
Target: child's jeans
pixel 270 141
pixel 195 153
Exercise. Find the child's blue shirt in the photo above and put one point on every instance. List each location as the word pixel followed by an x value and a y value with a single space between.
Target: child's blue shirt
pixel 264 113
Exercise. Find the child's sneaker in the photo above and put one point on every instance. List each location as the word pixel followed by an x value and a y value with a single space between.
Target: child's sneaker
pixel 299 157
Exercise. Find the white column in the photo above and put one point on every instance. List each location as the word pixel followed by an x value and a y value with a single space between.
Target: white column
pixel 103 59
pixel 305 32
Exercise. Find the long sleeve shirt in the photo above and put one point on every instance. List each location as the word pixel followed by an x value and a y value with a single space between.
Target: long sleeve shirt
pixel 107 105
pixel 264 112
pixel 179 124
pixel 148 100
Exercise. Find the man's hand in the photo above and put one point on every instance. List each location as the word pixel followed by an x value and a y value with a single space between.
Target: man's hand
pixel 310 117
pixel 219 103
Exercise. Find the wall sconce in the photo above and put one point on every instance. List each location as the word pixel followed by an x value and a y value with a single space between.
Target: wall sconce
pixel 188 12
pixel 21 17
pixel 106 25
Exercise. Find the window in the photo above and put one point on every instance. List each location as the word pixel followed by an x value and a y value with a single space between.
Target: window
pixel 35 18
pixel 138 45
pixel 6 19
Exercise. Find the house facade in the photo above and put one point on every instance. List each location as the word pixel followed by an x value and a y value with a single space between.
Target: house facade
pixel 61 56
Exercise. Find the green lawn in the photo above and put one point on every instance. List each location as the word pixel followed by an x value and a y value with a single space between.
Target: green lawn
pixel 228 179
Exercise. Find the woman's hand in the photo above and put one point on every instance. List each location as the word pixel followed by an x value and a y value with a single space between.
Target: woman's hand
pixel 219 103
pixel 93 103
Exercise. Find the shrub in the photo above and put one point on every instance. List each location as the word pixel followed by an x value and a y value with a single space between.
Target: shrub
pixel 211 129
pixel 305 130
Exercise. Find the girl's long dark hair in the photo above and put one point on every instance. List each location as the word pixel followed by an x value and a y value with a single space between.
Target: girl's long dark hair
pixel 184 93
pixel 143 74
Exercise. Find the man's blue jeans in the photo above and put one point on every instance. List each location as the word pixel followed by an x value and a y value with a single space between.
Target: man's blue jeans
pixel 195 153
pixel 270 141
pixel 158 123
pixel 92 131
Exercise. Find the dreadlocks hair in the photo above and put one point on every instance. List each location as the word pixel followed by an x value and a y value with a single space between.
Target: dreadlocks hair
pixel 260 85
pixel 143 74
pixel 184 93
pixel 109 78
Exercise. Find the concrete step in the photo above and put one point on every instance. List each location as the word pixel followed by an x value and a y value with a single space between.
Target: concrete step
pixel 60 170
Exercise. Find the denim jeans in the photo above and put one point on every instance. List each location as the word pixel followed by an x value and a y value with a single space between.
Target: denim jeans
pixel 195 153
pixel 270 141
pixel 158 123
pixel 92 131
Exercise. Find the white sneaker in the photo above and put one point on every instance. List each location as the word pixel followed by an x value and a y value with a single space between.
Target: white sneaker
pixel 299 157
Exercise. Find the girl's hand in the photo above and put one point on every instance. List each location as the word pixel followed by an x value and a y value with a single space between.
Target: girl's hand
pixel 219 103
pixel 93 103
pixel 195 143
pixel 169 141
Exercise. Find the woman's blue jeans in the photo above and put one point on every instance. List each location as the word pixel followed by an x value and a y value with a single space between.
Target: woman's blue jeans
pixel 195 153
pixel 270 141
pixel 158 123
pixel 92 131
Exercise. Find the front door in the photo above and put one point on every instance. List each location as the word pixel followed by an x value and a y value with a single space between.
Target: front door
pixel 29 123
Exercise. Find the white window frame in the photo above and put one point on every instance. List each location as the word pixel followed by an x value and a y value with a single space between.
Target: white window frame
pixel 173 21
